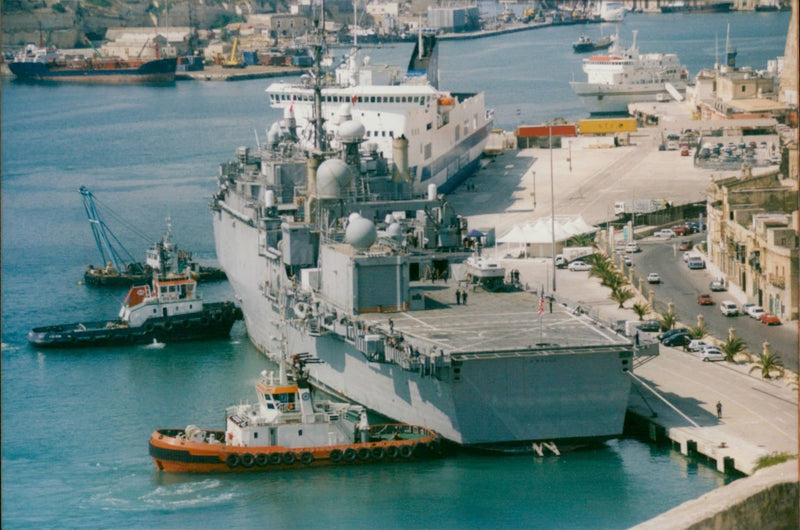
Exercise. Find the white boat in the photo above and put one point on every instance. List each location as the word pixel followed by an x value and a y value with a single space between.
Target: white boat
pixel 625 76
pixel 612 11
pixel 446 132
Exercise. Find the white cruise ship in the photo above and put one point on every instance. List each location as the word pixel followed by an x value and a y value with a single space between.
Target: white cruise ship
pixel 625 76
pixel 446 131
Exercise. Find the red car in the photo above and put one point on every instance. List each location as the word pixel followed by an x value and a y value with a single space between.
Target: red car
pixel 685 245
pixel 679 230
pixel 705 299
pixel 771 319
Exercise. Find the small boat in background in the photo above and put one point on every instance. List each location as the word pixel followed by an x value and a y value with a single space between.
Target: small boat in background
pixel 36 63
pixel 288 427
pixel 586 44
pixel 169 311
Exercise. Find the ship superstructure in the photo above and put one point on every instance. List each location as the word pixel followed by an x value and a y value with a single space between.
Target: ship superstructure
pixel 446 132
pixel 625 76
pixel 338 253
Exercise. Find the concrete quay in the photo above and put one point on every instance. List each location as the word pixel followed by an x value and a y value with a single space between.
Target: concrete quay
pixel 674 394
pixel 218 73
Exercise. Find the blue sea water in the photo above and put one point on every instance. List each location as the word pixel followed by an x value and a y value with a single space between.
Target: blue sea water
pixel 75 424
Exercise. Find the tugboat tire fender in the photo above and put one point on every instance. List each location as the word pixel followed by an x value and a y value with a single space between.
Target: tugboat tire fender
pixel 148 327
pixel 186 324
pixel 217 316
pixel 204 321
pixel 392 451
pixel 262 460
pixel 289 458
pixel 406 451
pixel 349 454
pixel 363 453
pixel 167 326
pixel 335 455
pixel 306 457
pixel 232 460
pixel 248 460
pixel 435 447
pixel 275 458
pixel 378 453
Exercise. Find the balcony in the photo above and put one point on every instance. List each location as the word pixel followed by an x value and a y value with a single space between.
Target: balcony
pixel 777 281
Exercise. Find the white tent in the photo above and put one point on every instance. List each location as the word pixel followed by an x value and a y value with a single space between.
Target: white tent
pixel 538 237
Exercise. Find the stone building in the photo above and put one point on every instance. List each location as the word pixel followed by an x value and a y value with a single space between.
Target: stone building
pixel 753 238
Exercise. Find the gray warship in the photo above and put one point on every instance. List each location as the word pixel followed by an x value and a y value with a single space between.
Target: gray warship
pixel 347 255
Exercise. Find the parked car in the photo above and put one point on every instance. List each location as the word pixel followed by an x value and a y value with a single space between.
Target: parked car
pixel 650 325
pixel 679 230
pixel 729 309
pixel 627 261
pixel 679 339
pixel 705 299
pixel 711 353
pixel 671 332
pixel 664 234
pixel 770 319
pixel 579 266
pixel 653 277
pixel 717 285
pixel 685 245
pixel 696 262
pixel 696 345
pixel 632 247
pixel 755 311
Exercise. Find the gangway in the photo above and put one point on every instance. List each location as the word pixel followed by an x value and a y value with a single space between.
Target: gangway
pixel 677 96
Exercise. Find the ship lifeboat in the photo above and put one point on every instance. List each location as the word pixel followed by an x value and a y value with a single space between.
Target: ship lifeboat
pixel 446 101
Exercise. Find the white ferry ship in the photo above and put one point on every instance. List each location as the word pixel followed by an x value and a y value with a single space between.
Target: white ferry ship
pixel 626 76
pixel 446 131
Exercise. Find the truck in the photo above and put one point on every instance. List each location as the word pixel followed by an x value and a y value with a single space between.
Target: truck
pixel 639 206
pixel 569 254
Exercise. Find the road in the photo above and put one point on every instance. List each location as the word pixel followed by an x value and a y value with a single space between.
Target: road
pixel 680 285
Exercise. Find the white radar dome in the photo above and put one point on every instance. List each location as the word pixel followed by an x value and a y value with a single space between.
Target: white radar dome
pixel 332 176
pixel 394 231
pixel 360 232
pixel 351 131
pixel 345 111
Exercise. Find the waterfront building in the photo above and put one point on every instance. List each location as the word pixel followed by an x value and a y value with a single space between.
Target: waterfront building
pixel 753 238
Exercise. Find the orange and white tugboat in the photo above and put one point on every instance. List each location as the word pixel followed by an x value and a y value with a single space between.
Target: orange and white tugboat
pixel 286 429
pixel 170 310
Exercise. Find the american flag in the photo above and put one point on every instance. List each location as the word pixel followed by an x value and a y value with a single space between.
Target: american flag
pixel 541 304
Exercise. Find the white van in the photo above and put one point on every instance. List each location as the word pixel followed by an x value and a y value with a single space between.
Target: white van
pixel 632 246
pixel 728 308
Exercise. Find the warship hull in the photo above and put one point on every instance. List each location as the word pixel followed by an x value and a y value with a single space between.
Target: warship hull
pixel 508 395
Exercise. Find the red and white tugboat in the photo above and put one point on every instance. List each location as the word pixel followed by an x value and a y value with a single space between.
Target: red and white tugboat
pixel 170 310
pixel 287 429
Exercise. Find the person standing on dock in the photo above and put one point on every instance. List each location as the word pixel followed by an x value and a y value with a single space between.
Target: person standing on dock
pixel 458 296
pixel 719 410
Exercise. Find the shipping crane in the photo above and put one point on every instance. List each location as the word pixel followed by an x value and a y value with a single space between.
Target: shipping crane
pixel 235 61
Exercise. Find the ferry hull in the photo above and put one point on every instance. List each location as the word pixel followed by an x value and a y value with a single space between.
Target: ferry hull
pixel 614 99
pixel 570 396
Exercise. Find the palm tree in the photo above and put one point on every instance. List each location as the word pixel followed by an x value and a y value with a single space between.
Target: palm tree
pixel 768 362
pixel 641 309
pixel 621 295
pixel 669 319
pixel 613 280
pixel 581 240
pixel 698 332
pixel 733 347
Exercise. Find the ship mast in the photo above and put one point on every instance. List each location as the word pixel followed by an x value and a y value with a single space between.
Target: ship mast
pixel 317 41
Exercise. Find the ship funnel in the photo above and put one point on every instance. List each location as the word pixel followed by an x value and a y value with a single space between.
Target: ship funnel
pixel 400 159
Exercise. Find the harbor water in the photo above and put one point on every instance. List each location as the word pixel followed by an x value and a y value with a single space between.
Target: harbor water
pixel 76 423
